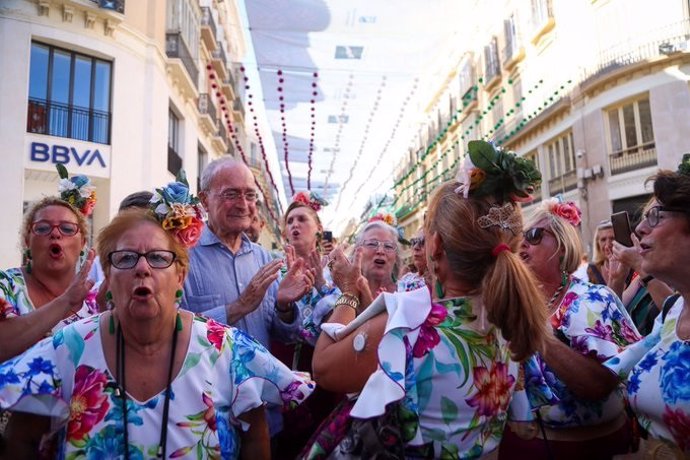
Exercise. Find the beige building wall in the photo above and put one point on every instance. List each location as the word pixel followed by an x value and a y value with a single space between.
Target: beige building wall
pixel 568 64
pixel 146 80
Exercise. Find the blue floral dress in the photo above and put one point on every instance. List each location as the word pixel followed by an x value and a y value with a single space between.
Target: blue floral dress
pixel 658 380
pixel 458 383
pixel 225 374
pixel 17 302
pixel 591 320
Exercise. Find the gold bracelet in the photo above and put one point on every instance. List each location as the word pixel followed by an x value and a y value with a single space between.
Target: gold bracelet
pixel 348 300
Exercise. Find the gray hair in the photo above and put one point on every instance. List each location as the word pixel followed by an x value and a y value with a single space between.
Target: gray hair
pixel 359 240
pixel 212 169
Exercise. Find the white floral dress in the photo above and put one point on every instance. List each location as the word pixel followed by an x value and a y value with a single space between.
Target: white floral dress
pixel 657 370
pixel 225 374
pixel 457 384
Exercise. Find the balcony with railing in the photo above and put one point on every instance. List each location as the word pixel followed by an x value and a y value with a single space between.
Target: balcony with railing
pixel 207 110
pixel 219 61
pixel 220 140
pixel 209 31
pixel 563 183
pixel 638 157
pixel 645 45
pixel 181 63
pixel 542 20
pixel 63 120
pixel 238 110
pixel 228 87
pixel 492 68
pixel 513 51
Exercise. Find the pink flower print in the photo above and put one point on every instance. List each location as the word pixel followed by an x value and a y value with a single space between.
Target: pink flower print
pixel 215 333
pixel 428 336
pixel 89 403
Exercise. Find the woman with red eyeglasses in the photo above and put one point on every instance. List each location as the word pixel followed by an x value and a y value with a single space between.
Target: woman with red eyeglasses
pixel 49 290
pixel 583 414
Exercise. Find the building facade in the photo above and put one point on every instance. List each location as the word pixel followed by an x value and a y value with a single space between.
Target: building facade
pixel 595 92
pixel 124 92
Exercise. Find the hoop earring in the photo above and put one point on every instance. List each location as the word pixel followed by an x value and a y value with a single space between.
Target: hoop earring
pixel 27 260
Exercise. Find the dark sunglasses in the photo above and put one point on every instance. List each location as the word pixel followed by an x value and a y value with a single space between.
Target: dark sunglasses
pixel 534 235
pixel 417 242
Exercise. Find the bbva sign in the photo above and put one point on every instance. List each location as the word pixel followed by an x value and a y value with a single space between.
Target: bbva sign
pixel 65 155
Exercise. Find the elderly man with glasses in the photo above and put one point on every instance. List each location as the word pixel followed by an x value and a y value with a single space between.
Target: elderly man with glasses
pixel 233 280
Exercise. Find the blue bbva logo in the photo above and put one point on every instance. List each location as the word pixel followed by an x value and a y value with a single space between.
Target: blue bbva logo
pixel 41 152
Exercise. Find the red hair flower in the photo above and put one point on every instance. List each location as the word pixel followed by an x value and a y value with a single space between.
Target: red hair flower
pixel 566 210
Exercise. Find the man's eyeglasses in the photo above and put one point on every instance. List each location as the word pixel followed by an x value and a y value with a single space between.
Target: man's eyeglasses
pixel 653 217
pixel 374 245
pixel 234 195
pixel 417 242
pixel 124 260
pixel 43 228
pixel 534 235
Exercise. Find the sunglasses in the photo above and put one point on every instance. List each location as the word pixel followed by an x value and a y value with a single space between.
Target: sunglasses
pixel 417 242
pixel 534 235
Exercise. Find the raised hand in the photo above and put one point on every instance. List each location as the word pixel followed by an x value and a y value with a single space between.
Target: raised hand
pixel 255 291
pixel 297 282
pixel 345 273
pixel 315 265
pixel 80 286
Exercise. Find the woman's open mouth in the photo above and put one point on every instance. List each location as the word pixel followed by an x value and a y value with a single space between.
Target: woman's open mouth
pixel 55 251
pixel 142 292
pixel 380 262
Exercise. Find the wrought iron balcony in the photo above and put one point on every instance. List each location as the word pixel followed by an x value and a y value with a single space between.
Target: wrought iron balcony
pixel 63 120
pixel 176 48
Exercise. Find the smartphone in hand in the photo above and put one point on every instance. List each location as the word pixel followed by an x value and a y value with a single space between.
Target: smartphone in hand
pixel 621 228
pixel 328 236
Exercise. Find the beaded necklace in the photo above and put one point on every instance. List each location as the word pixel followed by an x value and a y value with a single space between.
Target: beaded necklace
pixel 557 293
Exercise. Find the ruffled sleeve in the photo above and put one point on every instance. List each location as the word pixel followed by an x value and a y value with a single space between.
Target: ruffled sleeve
pixel 31 383
pixel 258 377
pixel 406 313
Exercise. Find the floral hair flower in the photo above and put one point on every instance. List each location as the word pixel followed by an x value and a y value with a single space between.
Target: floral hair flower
pixel 385 217
pixel 179 211
pixel 488 170
pixel 311 199
pixel 76 190
pixel 567 210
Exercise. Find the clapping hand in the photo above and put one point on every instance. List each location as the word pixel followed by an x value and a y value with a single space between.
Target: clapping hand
pixel 297 282
pixel 346 274
pixel 255 291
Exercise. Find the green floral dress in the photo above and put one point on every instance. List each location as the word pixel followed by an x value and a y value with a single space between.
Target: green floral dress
pixel 456 388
